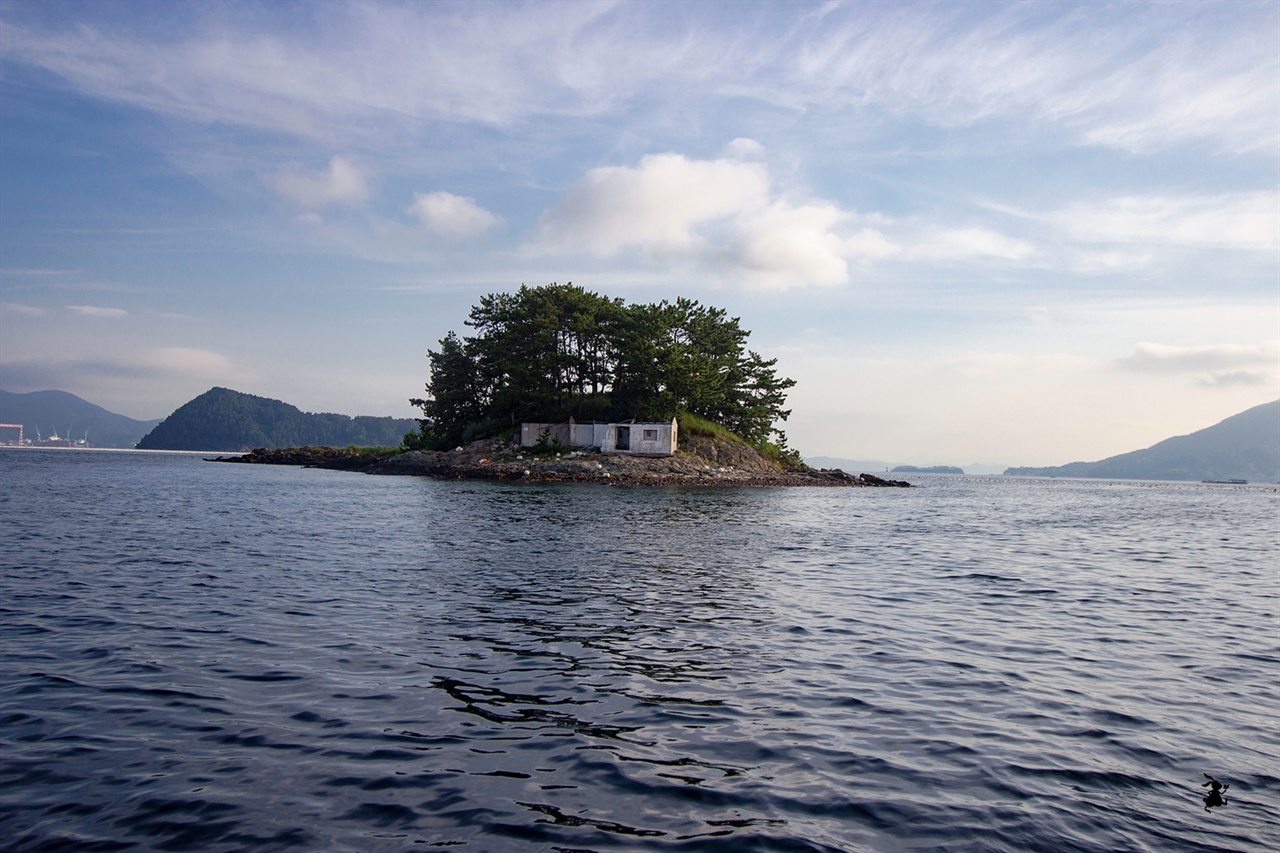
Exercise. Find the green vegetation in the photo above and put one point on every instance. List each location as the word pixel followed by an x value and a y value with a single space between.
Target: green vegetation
pixel 222 419
pixel 693 426
pixel 550 353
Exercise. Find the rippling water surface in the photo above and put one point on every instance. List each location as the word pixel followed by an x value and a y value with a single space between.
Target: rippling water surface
pixel 220 657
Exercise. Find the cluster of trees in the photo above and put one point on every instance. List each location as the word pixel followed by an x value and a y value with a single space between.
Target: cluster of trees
pixel 559 351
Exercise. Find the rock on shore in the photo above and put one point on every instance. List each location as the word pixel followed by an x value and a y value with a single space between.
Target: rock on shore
pixel 700 461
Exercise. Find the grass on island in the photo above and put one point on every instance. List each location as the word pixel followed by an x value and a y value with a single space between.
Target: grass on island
pixel 696 425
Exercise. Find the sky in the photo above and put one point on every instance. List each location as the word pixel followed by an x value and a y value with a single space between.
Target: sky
pixel 973 233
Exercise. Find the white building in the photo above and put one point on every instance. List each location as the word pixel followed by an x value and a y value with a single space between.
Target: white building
pixel 640 439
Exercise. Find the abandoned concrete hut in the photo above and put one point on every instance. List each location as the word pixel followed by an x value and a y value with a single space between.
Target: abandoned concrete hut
pixel 639 439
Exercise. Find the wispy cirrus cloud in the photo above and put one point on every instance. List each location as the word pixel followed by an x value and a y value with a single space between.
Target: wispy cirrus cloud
pixel 158 364
pixel 97 311
pixel 1139 78
pixel 1213 366
pixel 21 309
pixel 1249 220
pixel 971 243
pixel 1174 359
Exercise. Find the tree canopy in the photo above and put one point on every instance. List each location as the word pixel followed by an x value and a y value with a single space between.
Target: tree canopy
pixel 550 353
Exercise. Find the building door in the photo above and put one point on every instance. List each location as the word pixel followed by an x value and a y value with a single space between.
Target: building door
pixel 624 438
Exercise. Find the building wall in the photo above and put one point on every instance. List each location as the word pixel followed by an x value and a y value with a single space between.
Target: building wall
pixel 531 433
pixel 652 439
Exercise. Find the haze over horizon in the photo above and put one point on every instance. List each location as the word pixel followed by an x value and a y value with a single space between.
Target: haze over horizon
pixel 1016 234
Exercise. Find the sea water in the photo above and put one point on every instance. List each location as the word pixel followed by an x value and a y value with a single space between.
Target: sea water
pixel 199 656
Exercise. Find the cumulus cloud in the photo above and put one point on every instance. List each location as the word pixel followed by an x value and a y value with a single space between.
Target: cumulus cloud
pixel 659 205
pixel 719 215
pixel 743 148
pixel 342 183
pixel 782 245
pixel 97 311
pixel 452 216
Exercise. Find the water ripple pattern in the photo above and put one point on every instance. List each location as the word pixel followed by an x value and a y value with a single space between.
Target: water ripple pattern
pixel 214 657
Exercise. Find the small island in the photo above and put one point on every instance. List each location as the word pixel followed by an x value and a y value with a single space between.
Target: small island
pixel 560 357
pixel 701 462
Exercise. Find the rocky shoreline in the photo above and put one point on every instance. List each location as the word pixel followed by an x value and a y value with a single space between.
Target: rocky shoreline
pixel 700 462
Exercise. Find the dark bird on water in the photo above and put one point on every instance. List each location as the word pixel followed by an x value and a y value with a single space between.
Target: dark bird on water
pixel 1216 790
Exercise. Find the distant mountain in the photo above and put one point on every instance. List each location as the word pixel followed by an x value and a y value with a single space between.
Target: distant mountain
pixel 1244 446
pixel 850 465
pixel 44 413
pixel 226 420
pixel 932 469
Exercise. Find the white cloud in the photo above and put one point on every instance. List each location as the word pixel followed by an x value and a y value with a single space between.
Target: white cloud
pixel 1249 221
pixel 188 361
pixel 97 311
pixel 781 246
pixel 1181 91
pixel 743 148
pixel 967 243
pixel 1174 359
pixel 107 372
pixel 870 244
pixel 717 216
pixel 454 216
pixel 21 309
pixel 341 183
pixel 1141 77
pixel 1237 377
pixel 335 68
pixel 658 205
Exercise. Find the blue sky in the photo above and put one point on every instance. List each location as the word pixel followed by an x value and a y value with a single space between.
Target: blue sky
pixel 1006 234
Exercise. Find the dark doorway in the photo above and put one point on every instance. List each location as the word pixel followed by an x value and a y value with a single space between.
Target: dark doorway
pixel 624 438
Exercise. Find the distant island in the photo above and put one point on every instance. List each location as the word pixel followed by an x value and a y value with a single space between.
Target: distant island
pixel 224 420
pixel 1242 447
pixel 75 422
pixel 933 469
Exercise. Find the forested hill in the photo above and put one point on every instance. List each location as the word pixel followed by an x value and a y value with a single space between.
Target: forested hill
pixel 43 413
pixel 224 420
pixel 1244 446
